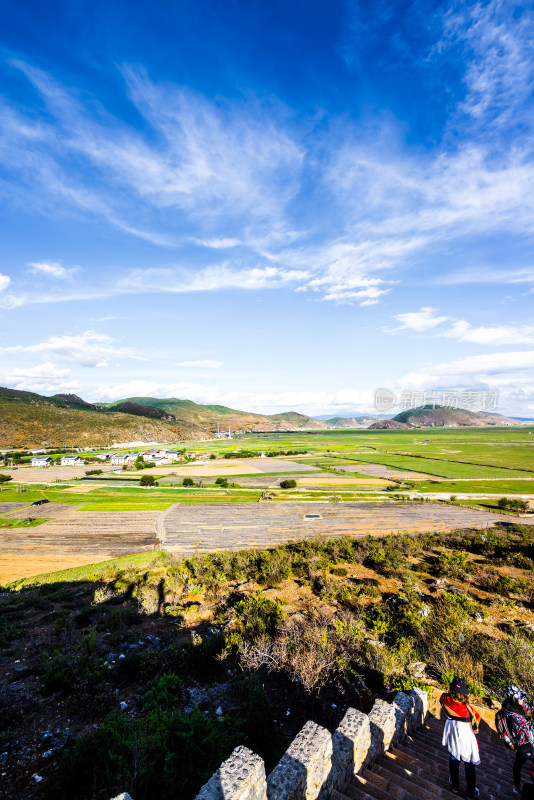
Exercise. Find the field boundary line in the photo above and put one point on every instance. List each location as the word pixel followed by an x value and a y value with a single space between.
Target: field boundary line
pixel 159 525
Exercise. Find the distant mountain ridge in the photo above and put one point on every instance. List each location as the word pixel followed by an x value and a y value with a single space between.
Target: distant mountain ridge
pixel 440 417
pixel 214 415
pixel 28 419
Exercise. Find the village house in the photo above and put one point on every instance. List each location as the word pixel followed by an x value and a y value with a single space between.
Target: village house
pixel 41 462
pixel 71 461
pixel 119 459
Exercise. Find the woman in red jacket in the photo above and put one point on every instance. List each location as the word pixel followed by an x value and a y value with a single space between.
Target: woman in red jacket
pixel 459 735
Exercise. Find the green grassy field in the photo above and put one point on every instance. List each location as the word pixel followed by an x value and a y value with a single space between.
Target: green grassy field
pixel 488 460
pixel 501 487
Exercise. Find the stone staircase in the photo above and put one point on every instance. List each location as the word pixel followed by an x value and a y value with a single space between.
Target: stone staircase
pixel 417 768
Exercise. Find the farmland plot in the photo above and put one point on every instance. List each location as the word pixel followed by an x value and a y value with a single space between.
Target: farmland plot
pixel 204 528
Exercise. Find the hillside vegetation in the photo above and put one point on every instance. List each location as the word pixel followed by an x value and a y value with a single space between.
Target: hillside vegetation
pixel 440 417
pixel 30 420
pixel 142 674
pixel 212 415
pixel 35 421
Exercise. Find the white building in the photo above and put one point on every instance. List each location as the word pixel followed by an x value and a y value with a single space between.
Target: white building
pixel 119 459
pixel 41 462
pixel 71 461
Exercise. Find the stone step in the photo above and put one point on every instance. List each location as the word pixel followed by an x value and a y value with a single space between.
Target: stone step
pixel 407 769
pixel 361 789
pixel 440 755
pixel 498 783
pixel 397 786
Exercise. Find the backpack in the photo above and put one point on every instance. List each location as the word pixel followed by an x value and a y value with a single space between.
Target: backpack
pixel 503 729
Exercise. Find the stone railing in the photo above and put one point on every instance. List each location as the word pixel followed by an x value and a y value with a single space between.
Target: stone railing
pixel 317 762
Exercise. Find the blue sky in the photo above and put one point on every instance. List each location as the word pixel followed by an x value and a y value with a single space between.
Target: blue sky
pixel 271 205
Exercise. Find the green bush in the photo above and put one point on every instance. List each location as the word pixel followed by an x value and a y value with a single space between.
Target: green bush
pixel 4 478
pixel 289 483
pixel 164 694
pixel 513 504
pixel 188 482
pixel 259 615
pixel 148 480
pixel 223 482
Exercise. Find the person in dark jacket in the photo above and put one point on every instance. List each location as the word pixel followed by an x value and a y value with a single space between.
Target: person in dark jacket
pixel 518 711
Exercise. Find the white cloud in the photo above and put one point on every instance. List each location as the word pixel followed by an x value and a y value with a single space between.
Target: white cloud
pixel 339 209
pixel 205 363
pixel 491 334
pixel 420 321
pixel 89 349
pixel 52 269
pixel 497 37
pixel 5 280
pixel 218 244
pixel 426 319
pixel 489 369
pixel 221 276
pixel 41 378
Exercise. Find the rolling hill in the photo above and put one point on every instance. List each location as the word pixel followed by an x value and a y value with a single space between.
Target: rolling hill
pixel 28 419
pixel 441 417
pixel 32 420
pixel 212 415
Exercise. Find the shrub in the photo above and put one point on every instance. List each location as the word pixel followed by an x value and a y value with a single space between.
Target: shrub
pixel 223 482
pixel 164 694
pixel 75 668
pixel 94 471
pixel 288 484
pixel 188 482
pixel 512 504
pixel 259 615
pixel 310 651
pixel 148 480
pixel 454 564
pixel 4 478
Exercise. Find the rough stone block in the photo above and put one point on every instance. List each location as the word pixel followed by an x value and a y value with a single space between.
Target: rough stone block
pixel 404 707
pixel 350 743
pixel 382 722
pixel 240 777
pixel 303 772
pixel 420 699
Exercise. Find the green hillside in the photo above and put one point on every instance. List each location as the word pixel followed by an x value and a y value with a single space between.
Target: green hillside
pixel 212 415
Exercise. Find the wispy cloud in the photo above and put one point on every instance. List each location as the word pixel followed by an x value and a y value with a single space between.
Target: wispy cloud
pixel 206 363
pixel 5 280
pixel 52 269
pixel 420 321
pixel 462 331
pixel 218 277
pixel 343 210
pixel 89 349
pixel 490 369
pixel 427 319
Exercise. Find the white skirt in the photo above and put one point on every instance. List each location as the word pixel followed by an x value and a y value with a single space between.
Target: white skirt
pixel 461 742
